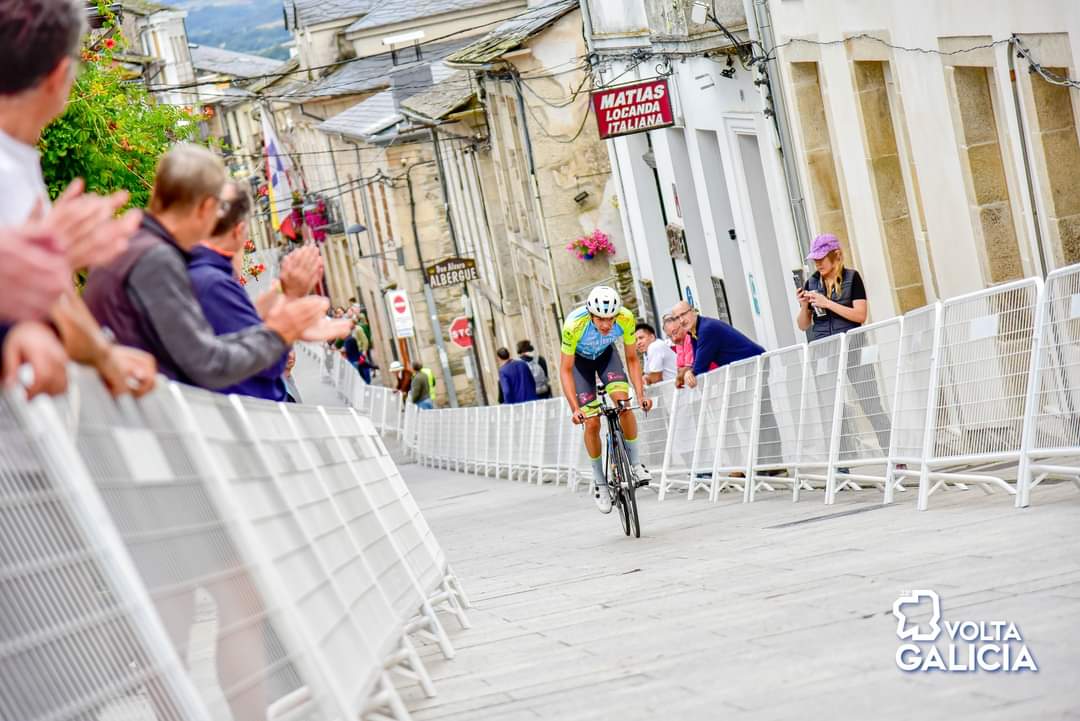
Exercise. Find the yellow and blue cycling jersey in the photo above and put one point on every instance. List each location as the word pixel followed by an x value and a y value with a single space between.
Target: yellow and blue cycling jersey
pixel 581 337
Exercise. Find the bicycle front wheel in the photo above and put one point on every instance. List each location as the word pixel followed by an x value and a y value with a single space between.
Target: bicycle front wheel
pixel 624 513
pixel 625 489
pixel 630 502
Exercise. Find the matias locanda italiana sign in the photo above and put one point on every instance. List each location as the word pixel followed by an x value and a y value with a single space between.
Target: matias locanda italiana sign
pixel 635 108
pixel 452 271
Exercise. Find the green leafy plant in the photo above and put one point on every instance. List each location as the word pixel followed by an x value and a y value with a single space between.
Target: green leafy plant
pixel 112 131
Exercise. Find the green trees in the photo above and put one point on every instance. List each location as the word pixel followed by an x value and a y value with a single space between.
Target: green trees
pixel 112 132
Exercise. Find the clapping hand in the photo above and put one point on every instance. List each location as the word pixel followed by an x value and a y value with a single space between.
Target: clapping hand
pixel 33 274
pixel 86 225
pixel 300 271
pixel 327 329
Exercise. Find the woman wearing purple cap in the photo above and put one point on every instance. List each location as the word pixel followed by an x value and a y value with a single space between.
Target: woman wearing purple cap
pixel 833 301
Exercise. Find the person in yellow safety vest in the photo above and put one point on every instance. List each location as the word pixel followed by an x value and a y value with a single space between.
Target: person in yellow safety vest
pixel 431 380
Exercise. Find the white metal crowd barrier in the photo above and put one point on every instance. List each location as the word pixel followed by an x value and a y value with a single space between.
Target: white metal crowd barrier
pixel 328 379
pixel 977 391
pixel 197 556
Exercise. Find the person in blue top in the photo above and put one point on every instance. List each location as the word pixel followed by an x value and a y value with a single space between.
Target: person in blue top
pixel 590 337
pixel 715 342
pixel 224 301
pixel 516 382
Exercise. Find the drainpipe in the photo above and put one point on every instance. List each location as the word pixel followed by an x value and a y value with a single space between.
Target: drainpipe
pixel 376 256
pixel 457 252
pixel 539 203
pixel 613 155
pixel 361 187
pixel 761 30
pixel 1043 267
pixel 433 312
pixel 350 276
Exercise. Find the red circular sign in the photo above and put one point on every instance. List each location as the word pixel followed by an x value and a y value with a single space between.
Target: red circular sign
pixel 461 332
pixel 399 304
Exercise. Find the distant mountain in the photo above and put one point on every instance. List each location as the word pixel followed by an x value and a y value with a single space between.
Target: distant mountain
pixel 245 26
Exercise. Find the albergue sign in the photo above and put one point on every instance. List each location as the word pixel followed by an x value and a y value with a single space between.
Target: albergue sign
pixel 452 271
pixel 628 109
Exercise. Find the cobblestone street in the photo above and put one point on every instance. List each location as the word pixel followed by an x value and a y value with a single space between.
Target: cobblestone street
pixel 763 611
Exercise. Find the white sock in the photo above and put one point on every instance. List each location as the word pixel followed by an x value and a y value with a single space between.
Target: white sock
pixel 598 470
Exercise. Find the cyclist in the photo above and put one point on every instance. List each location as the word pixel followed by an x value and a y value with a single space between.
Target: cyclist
pixel 589 337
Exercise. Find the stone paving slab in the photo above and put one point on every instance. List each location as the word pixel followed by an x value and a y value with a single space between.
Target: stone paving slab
pixel 771 610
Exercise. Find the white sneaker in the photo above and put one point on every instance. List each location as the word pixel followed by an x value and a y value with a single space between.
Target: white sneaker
pixel 603 498
pixel 641 474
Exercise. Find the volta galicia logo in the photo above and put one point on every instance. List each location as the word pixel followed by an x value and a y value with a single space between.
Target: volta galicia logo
pixel 964 647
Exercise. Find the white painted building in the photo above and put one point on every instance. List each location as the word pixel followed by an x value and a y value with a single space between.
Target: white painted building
pixel 163 36
pixel 715 175
pixel 950 171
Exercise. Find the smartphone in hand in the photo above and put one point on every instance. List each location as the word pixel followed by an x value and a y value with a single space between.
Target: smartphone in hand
pixel 798 276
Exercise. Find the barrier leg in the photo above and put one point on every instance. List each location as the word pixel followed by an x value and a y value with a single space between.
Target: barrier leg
pixel 435 630
pixel 409 665
pixel 455 605
pixel 387 698
pixel 459 591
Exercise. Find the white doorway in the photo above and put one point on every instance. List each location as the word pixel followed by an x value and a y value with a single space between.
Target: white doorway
pixel 773 288
pixel 735 282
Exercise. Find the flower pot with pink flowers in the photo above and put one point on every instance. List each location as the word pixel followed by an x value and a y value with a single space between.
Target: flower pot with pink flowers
pixel 590 246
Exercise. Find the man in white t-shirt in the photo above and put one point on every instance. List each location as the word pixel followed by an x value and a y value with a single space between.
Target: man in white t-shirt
pixel 39 49
pixel 659 358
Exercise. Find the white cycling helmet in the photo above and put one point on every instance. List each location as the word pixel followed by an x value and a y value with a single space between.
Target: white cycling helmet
pixel 604 302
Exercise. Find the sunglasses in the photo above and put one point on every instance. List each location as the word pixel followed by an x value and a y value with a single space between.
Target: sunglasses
pixel 682 315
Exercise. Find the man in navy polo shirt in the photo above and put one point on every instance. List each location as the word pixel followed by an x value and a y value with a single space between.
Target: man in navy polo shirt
pixel 715 342
pixel 224 301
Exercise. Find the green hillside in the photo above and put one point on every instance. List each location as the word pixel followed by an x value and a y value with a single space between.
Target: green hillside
pixel 246 26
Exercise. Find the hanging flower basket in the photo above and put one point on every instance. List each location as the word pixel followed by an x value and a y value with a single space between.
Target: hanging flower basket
pixel 256 270
pixel 589 246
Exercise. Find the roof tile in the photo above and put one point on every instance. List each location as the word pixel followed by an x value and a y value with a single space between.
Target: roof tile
pixel 512 33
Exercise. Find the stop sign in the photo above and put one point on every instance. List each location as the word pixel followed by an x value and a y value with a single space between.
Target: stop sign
pixel 461 332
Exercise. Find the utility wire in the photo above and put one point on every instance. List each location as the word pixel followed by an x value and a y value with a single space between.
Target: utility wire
pixel 347 61
pixel 1047 75
pixel 349 86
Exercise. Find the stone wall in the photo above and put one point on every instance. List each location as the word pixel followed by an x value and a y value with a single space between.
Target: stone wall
pixel 890 193
pixel 821 165
pixel 988 191
pixel 1057 141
